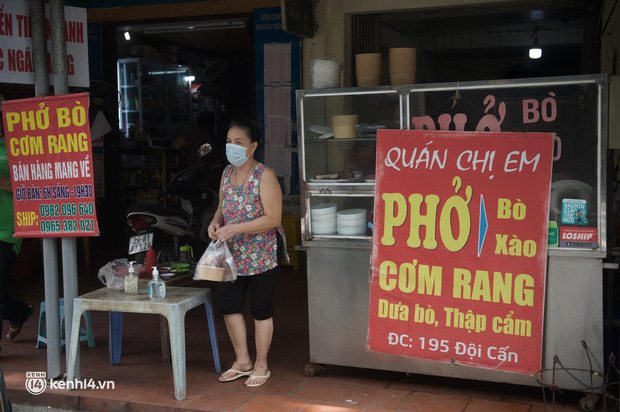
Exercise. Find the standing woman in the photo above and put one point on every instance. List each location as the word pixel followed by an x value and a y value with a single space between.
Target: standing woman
pixel 249 219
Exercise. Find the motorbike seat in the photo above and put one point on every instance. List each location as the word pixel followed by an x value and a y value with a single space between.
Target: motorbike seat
pixel 160 210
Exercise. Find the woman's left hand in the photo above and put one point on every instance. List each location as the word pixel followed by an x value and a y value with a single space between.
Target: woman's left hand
pixel 226 232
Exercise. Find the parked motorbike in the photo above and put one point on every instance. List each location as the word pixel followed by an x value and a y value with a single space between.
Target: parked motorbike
pixel 166 229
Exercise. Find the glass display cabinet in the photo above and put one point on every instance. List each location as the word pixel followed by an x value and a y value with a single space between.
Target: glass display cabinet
pixel 337 159
pixel 155 100
pixel 339 131
pixel 338 135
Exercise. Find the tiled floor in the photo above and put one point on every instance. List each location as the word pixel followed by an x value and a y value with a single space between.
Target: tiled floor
pixel 143 383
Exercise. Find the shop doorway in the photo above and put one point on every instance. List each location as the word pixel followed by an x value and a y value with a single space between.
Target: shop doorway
pixel 173 77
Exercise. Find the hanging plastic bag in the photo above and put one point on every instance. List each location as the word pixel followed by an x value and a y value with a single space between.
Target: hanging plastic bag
pixel 216 264
pixel 112 274
pixel 325 72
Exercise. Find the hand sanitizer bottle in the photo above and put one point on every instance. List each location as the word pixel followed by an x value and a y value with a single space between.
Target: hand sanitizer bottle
pixel 131 280
pixel 157 287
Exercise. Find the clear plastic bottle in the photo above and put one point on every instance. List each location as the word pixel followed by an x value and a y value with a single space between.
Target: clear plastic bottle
pixel 157 287
pixel 131 280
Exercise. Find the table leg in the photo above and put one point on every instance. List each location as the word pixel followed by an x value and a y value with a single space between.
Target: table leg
pixel 116 337
pixel 176 323
pixel 165 340
pixel 75 342
pixel 213 335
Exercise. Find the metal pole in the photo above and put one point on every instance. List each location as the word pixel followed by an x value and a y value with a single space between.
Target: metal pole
pixel 52 307
pixel 50 248
pixel 59 47
pixel 70 291
pixel 39 49
pixel 61 86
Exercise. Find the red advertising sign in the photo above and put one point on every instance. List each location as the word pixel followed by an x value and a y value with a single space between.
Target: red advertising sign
pixel 50 159
pixel 578 236
pixel 459 247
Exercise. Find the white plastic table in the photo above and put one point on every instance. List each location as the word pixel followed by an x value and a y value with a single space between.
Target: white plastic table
pixel 174 306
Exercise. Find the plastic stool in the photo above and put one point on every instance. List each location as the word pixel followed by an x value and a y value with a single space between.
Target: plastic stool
pixel 86 334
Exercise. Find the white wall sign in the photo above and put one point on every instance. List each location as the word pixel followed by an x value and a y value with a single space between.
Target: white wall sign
pixel 16 59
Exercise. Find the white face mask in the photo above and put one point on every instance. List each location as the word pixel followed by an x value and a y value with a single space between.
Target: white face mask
pixel 236 154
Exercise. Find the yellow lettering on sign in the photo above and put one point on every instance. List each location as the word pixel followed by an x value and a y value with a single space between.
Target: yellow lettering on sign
pixel 426 279
pixel 26 146
pixel 503 289
pixel 67 143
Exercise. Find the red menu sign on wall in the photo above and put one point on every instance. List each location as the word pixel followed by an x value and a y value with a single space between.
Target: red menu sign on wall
pixel 50 159
pixel 459 247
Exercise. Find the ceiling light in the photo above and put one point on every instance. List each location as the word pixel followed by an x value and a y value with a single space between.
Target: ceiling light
pixel 535 50
pixel 127 36
pixel 201 25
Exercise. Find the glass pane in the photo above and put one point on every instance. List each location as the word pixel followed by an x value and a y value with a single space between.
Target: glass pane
pixel 342 216
pixel 568 110
pixel 340 134
pixel 155 100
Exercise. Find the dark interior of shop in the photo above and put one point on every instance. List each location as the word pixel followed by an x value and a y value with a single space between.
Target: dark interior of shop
pixel 454 43
pixel 217 53
pixel 484 42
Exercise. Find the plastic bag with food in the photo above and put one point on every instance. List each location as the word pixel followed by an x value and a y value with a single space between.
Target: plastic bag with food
pixel 216 264
pixel 112 274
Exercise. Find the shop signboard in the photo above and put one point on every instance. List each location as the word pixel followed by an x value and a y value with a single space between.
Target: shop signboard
pixel 50 159
pixel 460 247
pixel 16 58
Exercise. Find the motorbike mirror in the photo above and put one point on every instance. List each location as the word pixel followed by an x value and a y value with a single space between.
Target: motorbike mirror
pixel 205 149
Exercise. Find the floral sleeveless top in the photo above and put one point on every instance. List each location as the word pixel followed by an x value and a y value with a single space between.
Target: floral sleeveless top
pixel 253 253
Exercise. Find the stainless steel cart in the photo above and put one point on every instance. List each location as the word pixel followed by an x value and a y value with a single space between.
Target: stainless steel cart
pixel 338 265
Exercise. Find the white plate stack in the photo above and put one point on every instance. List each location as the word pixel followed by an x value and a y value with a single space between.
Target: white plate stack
pixel 323 218
pixel 352 222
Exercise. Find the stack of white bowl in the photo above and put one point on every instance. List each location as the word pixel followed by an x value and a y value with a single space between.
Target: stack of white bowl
pixel 323 218
pixel 352 222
